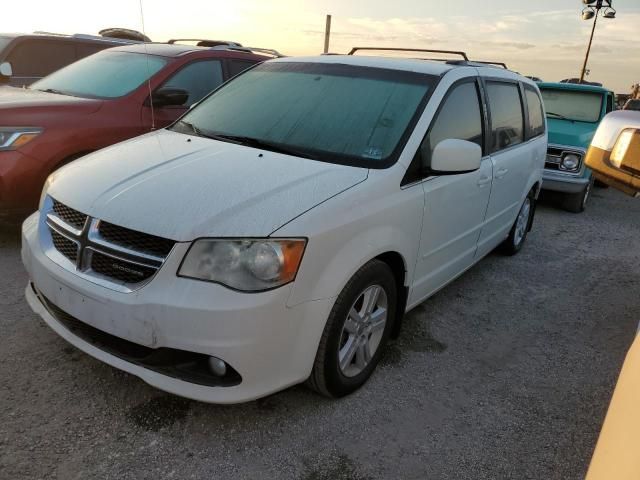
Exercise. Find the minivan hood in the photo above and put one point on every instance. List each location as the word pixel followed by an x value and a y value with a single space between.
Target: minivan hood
pixel 566 132
pixel 184 187
pixel 25 98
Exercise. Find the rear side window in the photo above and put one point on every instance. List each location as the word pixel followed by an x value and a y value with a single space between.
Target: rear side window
pixel 459 118
pixel 198 79
pixel 238 66
pixel 86 49
pixel 39 58
pixel 507 120
pixel 536 113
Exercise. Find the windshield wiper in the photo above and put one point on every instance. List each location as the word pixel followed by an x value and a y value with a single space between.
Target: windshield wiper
pixel 193 128
pixel 557 115
pixel 257 143
pixel 53 90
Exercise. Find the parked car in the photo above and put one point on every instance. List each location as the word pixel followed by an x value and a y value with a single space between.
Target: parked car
pixel 614 154
pixel 280 229
pixel 632 104
pixel 98 101
pixel 573 114
pixel 26 58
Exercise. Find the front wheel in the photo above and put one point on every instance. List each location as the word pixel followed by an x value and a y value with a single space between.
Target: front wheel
pixel 356 331
pixel 577 202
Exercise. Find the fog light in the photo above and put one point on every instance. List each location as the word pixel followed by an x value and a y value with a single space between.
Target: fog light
pixel 217 366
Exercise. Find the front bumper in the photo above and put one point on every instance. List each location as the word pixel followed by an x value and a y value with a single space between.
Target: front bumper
pixel 271 345
pixel 558 182
pixel 21 180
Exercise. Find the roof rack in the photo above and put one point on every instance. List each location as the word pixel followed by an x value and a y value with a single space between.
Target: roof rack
pixel 392 49
pixel 203 42
pixel 498 64
pixel 267 51
pixel 477 63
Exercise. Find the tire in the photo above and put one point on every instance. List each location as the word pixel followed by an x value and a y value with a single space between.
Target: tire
pixel 577 202
pixel 521 226
pixel 341 365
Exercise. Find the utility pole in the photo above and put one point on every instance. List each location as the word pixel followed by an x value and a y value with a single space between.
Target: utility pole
pixel 327 34
pixel 592 10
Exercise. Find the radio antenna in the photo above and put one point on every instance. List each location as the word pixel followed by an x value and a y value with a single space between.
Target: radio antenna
pixel 153 119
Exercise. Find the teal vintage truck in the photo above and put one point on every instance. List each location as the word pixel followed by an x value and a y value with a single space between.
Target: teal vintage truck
pixel 573 114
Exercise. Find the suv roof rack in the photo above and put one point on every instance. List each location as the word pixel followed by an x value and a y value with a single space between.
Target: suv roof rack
pixel 497 64
pixel 477 63
pixel 267 51
pixel 393 49
pixel 87 36
pixel 203 42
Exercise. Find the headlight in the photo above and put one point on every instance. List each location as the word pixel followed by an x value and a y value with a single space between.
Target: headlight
pixel 43 195
pixel 620 148
pixel 12 138
pixel 570 162
pixel 250 265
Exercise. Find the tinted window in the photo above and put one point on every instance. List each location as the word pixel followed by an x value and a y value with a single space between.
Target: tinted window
pixel 198 79
pixel 331 112
pixel 108 74
pixel 507 120
pixel 86 49
pixel 238 66
pixel 4 41
pixel 536 114
pixel 38 58
pixel 459 118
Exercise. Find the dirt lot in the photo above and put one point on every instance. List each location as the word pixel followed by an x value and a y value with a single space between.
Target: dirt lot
pixel 506 373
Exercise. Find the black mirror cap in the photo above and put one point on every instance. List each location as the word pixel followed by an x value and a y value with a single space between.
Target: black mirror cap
pixel 167 96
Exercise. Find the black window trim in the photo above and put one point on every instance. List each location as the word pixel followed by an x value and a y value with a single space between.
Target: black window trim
pixel 413 174
pixel 525 119
pixel 528 136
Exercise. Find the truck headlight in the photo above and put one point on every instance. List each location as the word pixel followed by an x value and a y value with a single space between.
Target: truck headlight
pixel 249 265
pixel 12 138
pixel 570 162
pixel 622 145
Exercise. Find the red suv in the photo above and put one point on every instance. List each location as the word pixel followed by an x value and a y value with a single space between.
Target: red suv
pixel 100 100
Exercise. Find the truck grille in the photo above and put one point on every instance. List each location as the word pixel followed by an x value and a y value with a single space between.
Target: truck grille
pixel 554 158
pixel 104 253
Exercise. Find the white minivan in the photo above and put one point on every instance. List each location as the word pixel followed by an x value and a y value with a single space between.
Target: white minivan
pixel 278 232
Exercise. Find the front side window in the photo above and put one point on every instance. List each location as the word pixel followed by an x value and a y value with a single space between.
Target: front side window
pixel 572 105
pixel 459 118
pixel 536 113
pixel 197 79
pixel 507 119
pixel 331 112
pixel 38 58
pixel 107 74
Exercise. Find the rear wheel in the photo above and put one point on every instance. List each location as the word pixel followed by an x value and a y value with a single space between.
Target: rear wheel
pixel 520 229
pixel 577 202
pixel 356 331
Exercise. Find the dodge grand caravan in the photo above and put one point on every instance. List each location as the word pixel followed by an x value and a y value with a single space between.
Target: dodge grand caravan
pixel 278 231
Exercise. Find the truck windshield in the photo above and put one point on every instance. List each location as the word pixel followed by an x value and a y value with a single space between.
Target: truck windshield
pixel 102 75
pixel 331 112
pixel 572 105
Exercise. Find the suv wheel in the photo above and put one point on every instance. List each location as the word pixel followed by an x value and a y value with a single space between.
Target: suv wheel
pixel 520 229
pixel 577 202
pixel 356 331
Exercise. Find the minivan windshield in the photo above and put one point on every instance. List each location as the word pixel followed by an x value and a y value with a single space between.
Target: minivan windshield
pixel 572 105
pixel 102 75
pixel 332 112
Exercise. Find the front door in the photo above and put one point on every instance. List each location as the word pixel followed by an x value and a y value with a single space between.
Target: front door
pixel 455 205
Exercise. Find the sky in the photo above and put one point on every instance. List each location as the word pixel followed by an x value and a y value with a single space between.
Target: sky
pixel 546 38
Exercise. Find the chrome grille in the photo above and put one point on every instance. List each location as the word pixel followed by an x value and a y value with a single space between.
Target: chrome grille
pixel 69 215
pixel 133 240
pixel 554 158
pixel 66 247
pixel 107 254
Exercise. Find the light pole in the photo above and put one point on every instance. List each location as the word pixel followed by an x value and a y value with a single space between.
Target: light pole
pixel 592 10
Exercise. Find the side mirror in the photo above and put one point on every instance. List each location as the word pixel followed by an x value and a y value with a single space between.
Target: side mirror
pixel 452 156
pixel 167 96
pixel 5 69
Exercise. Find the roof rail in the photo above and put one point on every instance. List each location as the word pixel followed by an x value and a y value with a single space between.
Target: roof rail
pixel 498 64
pixel 203 42
pixel 267 51
pixel 477 63
pixel 392 49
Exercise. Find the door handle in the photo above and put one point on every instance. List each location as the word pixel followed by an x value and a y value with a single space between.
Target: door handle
pixel 502 172
pixel 484 181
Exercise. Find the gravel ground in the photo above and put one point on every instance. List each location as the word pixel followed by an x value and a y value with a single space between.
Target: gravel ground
pixel 506 373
